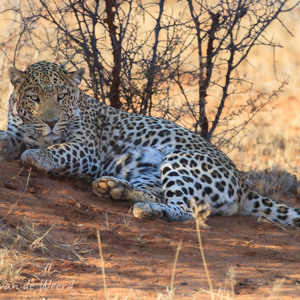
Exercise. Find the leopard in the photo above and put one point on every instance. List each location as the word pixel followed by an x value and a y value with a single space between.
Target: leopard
pixel 162 170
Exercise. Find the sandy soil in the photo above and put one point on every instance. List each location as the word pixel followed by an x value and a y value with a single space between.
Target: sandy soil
pixel 255 260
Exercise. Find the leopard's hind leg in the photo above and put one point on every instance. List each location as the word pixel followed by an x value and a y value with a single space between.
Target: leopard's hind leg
pixel 133 176
pixel 192 179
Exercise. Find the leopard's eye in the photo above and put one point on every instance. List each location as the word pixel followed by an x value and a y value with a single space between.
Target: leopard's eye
pixel 34 98
pixel 61 96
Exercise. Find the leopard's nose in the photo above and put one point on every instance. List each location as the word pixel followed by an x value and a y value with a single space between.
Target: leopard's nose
pixel 51 123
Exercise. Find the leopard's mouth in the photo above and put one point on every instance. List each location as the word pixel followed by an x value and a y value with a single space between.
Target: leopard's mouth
pixel 51 137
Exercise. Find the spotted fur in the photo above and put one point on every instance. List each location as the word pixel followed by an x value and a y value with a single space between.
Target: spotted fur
pixel 162 168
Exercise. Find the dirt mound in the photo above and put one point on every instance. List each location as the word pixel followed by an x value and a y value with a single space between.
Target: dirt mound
pixel 50 249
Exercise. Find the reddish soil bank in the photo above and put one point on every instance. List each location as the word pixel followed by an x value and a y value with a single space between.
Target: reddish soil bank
pixel 256 260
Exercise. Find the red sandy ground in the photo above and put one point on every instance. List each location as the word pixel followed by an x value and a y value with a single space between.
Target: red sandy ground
pixel 263 259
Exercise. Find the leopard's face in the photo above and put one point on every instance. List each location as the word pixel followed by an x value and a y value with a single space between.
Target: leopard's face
pixel 46 99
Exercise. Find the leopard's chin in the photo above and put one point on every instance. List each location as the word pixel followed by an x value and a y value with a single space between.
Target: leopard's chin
pixel 52 138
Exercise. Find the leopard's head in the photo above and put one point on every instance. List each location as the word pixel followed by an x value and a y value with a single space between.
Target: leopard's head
pixel 45 97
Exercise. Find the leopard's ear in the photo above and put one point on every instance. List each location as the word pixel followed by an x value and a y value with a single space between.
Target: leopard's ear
pixel 16 77
pixel 77 76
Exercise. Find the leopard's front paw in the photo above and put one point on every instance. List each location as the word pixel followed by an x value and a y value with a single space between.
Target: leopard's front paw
pixel 38 159
pixel 5 145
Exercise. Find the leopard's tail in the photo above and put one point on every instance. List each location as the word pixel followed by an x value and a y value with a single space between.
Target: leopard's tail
pixel 252 203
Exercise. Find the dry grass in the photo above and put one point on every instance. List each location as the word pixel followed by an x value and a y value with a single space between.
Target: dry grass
pixel 102 264
pixel 28 238
pixel 9 270
pixel 127 218
pixel 273 182
pixel 171 289
pixel 26 244
pixel 269 143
